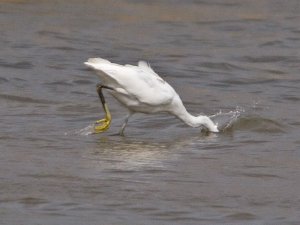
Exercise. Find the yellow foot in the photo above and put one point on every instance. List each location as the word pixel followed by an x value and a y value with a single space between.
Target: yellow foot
pixel 101 125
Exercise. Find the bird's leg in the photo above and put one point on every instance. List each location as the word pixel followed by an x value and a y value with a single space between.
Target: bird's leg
pixel 121 132
pixel 103 124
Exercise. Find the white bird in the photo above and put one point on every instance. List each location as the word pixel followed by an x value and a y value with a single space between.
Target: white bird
pixel 141 90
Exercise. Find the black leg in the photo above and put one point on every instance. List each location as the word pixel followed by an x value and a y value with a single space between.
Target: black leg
pixel 99 90
pixel 103 124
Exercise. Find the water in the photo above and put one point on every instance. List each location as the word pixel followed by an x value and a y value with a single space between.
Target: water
pixel 218 55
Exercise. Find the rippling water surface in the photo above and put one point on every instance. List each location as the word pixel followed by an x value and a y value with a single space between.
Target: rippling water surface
pixel 219 56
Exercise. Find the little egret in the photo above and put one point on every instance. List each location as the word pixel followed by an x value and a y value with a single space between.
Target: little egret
pixel 140 90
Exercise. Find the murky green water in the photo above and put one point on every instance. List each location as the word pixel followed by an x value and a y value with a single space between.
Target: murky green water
pixel 218 55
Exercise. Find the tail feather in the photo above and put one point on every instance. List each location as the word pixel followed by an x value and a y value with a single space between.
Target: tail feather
pixel 92 62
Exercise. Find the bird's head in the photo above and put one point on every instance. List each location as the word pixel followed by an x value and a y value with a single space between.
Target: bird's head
pixel 208 123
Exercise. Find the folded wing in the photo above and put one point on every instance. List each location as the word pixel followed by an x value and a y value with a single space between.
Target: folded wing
pixel 140 82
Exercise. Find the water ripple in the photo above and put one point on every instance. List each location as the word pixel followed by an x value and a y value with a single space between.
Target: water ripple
pixel 258 124
pixel 17 65
pixel 221 66
pixel 266 59
pixel 3 80
pixel 23 99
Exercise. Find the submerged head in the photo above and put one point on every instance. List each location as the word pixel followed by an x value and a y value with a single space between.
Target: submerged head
pixel 208 123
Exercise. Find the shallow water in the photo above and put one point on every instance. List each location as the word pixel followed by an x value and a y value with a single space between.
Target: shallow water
pixel 218 55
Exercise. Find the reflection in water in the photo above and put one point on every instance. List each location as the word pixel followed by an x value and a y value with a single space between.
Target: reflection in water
pixel 127 155
pixel 122 154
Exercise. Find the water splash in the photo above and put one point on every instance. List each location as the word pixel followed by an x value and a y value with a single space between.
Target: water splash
pixel 227 119
pixel 88 130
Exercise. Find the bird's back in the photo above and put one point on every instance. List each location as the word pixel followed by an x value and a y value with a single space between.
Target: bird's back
pixel 133 82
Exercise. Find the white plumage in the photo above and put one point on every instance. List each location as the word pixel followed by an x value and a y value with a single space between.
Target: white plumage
pixel 140 89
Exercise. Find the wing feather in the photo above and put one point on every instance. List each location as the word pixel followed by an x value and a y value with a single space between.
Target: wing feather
pixel 140 82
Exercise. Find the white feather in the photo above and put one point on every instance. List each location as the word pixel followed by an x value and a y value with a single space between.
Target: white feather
pixel 140 89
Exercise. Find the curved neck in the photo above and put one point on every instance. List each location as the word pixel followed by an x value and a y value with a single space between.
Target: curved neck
pixel 188 118
pixel 194 121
